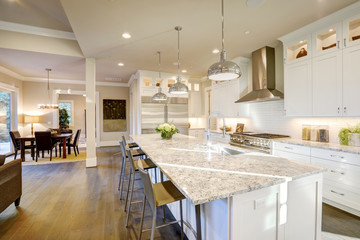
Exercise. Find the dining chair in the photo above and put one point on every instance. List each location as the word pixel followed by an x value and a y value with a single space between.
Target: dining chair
pixel 159 194
pixel 16 144
pixel 74 143
pixel 43 142
pixel 146 164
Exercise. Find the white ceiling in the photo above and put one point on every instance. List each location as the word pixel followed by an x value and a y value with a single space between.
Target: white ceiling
pixel 98 26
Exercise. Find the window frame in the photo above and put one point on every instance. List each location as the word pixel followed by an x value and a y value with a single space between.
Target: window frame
pixel 72 117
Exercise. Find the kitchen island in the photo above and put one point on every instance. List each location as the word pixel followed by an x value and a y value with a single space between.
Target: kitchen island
pixel 239 195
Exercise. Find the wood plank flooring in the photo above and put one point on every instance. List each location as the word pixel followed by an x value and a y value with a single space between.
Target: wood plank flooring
pixel 68 201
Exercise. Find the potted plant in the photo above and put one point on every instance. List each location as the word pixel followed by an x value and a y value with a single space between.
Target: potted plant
pixel 166 130
pixel 350 136
pixel 63 119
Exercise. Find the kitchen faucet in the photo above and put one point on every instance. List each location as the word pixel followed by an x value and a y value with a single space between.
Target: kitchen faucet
pixel 208 129
pixel 224 129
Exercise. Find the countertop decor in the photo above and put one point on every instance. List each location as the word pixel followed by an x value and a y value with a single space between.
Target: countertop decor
pixel 167 130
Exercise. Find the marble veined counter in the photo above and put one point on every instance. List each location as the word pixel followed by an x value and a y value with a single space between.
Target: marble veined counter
pixel 204 175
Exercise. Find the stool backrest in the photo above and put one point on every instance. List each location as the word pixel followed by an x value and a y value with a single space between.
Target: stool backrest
pixel 148 186
pixel 130 158
pixel 124 140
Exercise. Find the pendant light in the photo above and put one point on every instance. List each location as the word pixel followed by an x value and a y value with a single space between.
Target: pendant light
pixel 223 70
pixel 159 96
pixel 48 106
pixel 178 87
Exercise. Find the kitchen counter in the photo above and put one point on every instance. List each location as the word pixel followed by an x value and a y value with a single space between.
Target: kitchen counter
pixel 239 196
pixel 204 176
pixel 331 146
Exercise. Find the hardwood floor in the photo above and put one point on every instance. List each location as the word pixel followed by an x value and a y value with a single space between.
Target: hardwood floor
pixel 68 201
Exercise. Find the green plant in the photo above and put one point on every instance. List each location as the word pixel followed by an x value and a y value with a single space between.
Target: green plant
pixel 344 134
pixel 63 118
pixel 166 130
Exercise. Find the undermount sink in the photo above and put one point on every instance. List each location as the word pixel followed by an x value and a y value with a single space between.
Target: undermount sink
pixel 230 151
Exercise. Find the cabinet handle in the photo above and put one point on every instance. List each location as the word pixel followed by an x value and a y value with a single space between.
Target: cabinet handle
pixel 344 42
pixel 339 110
pixel 338 44
pixel 333 171
pixel 341 194
pixel 336 156
pixel 344 109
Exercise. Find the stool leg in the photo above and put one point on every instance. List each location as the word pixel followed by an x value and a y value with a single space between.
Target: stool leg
pixel 163 207
pixel 142 217
pixel 130 200
pixel 182 221
pixel 153 225
pixel 123 177
pixel 127 192
pixel 121 173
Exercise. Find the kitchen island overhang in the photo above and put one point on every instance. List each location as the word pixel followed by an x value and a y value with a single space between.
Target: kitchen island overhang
pixel 219 184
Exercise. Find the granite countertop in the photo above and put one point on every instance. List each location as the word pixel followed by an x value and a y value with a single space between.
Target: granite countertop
pixel 330 146
pixel 196 128
pixel 204 176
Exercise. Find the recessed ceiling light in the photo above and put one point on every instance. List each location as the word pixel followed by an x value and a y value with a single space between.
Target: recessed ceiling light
pixel 126 35
pixel 247 32
pixel 301 41
pixel 215 51
pixel 184 71
pixel 120 64
pixel 331 30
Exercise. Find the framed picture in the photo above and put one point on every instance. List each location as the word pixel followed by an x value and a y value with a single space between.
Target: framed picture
pixel 114 115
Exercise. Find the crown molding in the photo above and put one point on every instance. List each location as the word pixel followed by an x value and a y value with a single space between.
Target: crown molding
pixel 62 81
pixel 22 28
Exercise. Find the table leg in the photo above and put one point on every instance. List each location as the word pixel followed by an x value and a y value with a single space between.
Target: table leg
pixel 22 149
pixel 64 147
pixel 198 222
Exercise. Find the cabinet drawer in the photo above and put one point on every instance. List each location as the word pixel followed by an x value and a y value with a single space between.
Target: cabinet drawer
pixel 292 156
pixel 336 193
pixel 338 156
pixel 303 150
pixel 341 173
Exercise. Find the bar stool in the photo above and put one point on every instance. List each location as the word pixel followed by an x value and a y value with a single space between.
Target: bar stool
pixel 147 164
pixel 135 153
pixel 158 194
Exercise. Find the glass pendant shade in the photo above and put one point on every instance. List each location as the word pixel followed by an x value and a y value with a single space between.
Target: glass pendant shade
pixel 178 87
pixel 223 70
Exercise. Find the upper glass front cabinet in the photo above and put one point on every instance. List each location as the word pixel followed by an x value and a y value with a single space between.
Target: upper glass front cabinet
pixel 297 50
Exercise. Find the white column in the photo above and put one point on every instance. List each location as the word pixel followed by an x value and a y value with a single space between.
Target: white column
pixel 91 160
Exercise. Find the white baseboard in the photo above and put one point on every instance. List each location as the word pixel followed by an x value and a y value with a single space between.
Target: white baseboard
pixel 109 143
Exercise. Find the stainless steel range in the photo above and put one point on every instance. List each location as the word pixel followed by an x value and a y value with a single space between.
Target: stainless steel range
pixel 258 141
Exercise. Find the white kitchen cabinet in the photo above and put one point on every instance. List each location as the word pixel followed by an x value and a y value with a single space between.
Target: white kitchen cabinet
pixel 327 84
pixel 291 151
pixel 327 39
pixel 297 88
pixel 195 107
pixel 351 81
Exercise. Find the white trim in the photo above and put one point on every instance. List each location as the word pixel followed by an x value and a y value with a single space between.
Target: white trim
pixel 22 28
pixel 11 73
pixel 108 143
pixel 91 162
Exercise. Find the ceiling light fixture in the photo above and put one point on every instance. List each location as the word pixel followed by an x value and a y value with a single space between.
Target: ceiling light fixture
pixel 331 30
pixel 178 87
pixel 126 35
pixel 223 70
pixel 159 96
pixel 215 51
pixel 120 64
pixel 184 71
pixel 48 106
pixel 247 32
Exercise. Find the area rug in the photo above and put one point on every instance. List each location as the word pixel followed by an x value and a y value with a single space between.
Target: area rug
pixel 46 160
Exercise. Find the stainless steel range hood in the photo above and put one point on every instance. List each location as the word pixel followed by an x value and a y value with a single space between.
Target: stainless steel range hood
pixel 263 77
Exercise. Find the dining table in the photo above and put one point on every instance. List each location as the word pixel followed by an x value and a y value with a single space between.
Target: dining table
pixel 31 138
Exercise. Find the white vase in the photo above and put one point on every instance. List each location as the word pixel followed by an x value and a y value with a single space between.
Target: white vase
pixel 354 139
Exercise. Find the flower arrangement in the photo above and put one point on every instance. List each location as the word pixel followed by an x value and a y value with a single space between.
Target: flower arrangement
pixel 167 130
pixel 350 135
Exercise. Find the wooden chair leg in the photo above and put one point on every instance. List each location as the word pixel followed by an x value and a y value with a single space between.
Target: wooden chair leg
pixel 60 150
pixel 15 153
pixel 17 202
pixel 75 151
pixel 37 154
pixel 42 153
pixel 50 154
pixel 55 150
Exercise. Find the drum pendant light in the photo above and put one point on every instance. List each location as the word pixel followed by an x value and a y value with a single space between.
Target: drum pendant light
pixel 178 87
pixel 159 96
pixel 223 70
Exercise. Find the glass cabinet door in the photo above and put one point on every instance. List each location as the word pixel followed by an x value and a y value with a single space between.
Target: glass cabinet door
pixel 327 39
pixel 351 28
pixel 297 50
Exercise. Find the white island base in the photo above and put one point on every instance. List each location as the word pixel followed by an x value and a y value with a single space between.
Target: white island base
pixel 287 211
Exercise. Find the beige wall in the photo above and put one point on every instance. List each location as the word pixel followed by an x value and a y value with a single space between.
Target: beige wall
pixel 79 105
pixel 35 93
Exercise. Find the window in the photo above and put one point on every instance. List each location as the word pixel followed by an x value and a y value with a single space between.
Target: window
pixel 5 121
pixel 68 105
